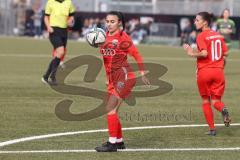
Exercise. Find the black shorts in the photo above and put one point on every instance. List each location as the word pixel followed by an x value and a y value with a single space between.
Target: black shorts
pixel 59 37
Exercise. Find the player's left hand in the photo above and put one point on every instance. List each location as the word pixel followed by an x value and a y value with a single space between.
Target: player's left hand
pixel 145 80
pixel 226 31
pixel 229 31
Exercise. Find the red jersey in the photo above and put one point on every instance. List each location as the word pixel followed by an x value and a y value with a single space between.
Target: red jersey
pixel 215 46
pixel 115 51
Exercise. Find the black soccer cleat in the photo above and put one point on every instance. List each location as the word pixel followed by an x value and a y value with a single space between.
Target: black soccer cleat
pixel 44 80
pixel 121 145
pixel 52 82
pixel 107 147
pixel 211 132
pixel 226 117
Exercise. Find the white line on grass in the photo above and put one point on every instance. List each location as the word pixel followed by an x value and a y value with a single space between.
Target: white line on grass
pixel 10 142
pixel 125 150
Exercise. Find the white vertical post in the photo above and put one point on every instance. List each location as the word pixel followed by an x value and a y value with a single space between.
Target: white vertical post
pixel 154 6
pixel 230 6
pixel 6 16
pixel 96 5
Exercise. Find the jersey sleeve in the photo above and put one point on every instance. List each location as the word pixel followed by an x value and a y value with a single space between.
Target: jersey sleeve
pixel 48 8
pixel 133 51
pixel 71 10
pixel 201 43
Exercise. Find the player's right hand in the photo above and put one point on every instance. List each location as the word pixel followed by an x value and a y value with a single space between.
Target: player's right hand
pixel 145 80
pixel 50 29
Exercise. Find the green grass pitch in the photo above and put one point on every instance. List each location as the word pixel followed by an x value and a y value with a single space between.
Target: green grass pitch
pixel 27 107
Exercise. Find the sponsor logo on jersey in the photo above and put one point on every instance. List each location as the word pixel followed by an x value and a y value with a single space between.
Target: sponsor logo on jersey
pixel 108 52
pixel 120 86
pixel 115 42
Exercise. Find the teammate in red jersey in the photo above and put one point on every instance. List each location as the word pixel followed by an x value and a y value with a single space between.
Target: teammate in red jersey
pixel 211 55
pixel 121 78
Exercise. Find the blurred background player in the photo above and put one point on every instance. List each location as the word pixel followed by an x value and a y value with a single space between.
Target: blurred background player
pixel 226 27
pixel 211 53
pixel 187 31
pixel 121 78
pixel 58 16
pixel 37 19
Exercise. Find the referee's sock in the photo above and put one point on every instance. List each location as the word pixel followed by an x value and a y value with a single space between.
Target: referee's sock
pixel 49 70
pixel 55 64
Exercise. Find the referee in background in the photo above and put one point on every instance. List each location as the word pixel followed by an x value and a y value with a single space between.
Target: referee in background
pixel 58 16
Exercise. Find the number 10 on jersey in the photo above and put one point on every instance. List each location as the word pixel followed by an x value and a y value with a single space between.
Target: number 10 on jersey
pixel 216 50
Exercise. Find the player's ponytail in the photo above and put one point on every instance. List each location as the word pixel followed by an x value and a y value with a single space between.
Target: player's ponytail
pixel 123 21
pixel 120 18
pixel 209 17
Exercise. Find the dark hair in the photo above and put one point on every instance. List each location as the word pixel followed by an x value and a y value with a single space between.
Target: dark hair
pixel 120 18
pixel 226 9
pixel 206 17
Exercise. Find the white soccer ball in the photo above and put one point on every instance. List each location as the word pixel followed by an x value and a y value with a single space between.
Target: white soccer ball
pixel 96 36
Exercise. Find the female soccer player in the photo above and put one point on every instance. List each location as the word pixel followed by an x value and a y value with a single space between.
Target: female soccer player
pixel 58 16
pixel 210 56
pixel 226 27
pixel 121 78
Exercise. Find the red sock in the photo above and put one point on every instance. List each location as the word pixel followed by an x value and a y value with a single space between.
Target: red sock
pixel 119 134
pixel 208 113
pixel 219 106
pixel 113 125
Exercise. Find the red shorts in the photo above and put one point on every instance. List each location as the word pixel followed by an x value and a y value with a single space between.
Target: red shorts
pixel 121 82
pixel 211 82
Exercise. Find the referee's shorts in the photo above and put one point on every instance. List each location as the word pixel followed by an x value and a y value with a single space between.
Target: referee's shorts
pixel 59 37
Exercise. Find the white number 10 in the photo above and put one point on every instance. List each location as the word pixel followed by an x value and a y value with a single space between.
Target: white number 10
pixel 216 47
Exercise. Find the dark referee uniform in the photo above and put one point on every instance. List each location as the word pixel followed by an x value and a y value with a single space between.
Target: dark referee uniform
pixel 58 12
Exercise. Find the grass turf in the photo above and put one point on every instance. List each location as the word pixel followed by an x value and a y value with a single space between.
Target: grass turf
pixel 27 106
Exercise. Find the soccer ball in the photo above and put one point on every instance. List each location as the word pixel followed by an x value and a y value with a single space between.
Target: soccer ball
pixel 95 37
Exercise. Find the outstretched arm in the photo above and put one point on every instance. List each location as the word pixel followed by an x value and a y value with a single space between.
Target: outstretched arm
pixel 138 58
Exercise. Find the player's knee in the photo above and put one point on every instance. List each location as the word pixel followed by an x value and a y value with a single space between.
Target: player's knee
pixel 59 52
pixel 216 100
pixel 205 99
pixel 111 112
pixel 111 109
